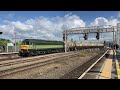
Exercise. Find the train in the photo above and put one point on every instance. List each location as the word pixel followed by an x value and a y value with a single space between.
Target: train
pixel 33 47
pixel 37 46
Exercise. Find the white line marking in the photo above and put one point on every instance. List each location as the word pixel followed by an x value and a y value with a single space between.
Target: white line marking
pixel 101 70
pixel 91 66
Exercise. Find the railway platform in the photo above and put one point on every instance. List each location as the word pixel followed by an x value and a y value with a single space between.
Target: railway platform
pixel 110 68
pixel 117 62
pixel 107 68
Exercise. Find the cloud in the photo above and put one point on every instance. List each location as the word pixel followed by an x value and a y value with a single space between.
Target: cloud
pixel 114 22
pixel 7 16
pixel 42 27
pixel 100 21
pixel 118 14
pixel 52 28
pixel 10 15
pixel 7 30
pixel 49 28
pixel 72 22
pixel 21 26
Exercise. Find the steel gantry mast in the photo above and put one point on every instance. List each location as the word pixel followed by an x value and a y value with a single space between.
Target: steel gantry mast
pixel 92 29
pixel 118 34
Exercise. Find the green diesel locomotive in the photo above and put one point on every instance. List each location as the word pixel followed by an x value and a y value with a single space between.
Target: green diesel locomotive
pixel 36 47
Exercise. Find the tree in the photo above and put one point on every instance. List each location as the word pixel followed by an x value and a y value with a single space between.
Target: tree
pixel 3 42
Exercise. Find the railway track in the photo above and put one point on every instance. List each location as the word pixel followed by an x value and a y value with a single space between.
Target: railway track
pixel 13 66
pixel 33 59
pixel 14 56
pixel 7 57
pixel 4 57
pixel 81 71
pixel 17 66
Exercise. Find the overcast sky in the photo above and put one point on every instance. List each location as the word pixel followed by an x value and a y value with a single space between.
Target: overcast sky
pixel 49 25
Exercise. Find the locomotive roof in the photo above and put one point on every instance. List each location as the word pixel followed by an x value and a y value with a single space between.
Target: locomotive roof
pixel 41 40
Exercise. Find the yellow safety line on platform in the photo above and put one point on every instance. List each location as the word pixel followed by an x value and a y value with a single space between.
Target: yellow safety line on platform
pixel 106 72
pixel 117 66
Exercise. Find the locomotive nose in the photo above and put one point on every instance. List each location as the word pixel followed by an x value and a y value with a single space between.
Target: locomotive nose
pixel 24 47
pixel 24 50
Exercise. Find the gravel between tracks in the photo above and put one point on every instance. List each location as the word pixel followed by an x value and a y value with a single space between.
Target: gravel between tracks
pixel 9 57
pixel 53 70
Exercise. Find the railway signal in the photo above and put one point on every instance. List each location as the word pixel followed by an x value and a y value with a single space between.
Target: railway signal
pixel 63 37
pixel 86 36
pixel 1 32
pixel 98 35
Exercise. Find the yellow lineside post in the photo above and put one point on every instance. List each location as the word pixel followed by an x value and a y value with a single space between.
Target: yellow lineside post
pixel 117 65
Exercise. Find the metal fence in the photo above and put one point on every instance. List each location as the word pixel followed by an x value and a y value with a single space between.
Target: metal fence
pixel 1 49
pixel 6 49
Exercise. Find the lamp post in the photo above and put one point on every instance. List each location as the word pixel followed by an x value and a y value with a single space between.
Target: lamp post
pixel 15 40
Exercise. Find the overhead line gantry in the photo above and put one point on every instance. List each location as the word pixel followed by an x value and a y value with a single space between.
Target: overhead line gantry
pixel 92 29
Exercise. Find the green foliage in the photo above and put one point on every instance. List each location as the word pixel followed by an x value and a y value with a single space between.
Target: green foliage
pixel 3 42
pixel 82 54
pixel 18 43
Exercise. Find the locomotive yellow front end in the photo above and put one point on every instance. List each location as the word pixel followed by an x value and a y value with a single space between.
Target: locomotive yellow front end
pixel 24 50
pixel 24 47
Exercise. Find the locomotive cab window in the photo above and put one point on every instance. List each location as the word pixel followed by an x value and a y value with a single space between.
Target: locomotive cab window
pixel 25 43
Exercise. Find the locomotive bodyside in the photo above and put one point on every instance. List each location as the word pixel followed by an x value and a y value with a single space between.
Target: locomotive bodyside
pixel 36 47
